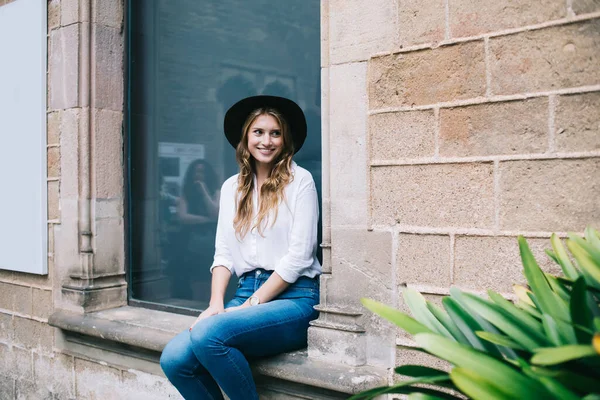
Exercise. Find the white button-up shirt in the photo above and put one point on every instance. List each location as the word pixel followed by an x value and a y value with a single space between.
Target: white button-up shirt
pixel 288 247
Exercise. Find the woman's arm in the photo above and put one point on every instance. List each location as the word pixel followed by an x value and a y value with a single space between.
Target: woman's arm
pixel 212 202
pixel 187 218
pixel 267 292
pixel 220 280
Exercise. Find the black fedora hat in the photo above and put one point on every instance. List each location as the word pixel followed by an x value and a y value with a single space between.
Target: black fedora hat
pixel 238 113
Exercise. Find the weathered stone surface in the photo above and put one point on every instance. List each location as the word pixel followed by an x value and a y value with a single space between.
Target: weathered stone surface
pixel 585 6
pixel 109 13
pixel 71 123
pixel 421 21
pixel 335 346
pixel 424 259
pixel 355 34
pixel 21 364
pixel 6 328
pixel 483 263
pixel 15 298
pixel 428 76
pixel 108 157
pixel 42 303
pixel 515 127
pixel 324 37
pixel 471 17
pixel 55 374
pixel 577 122
pixel 53 14
pixel 25 279
pixel 96 381
pixel 69 12
pixel 29 390
pixel 348 152
pixel 109 237
pixel 437 195
pixel 53 160
pixel 414 357
pixel 140 385
pixel 402 135
pixel 108 68
pixel 33 334
pixel 63 67
pixel 546 59
pixel 53 200
pixel 7 385
pixel 53 127
pixel 552 195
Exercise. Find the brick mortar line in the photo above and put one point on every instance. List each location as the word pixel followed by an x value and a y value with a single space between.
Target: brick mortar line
pixel 49 288
pixel 53 179
pixel 421 230
pixel 484 159
pixel 53 146
pixel 29 317
pixel 551 123
pixel 485 100
pixel 497 191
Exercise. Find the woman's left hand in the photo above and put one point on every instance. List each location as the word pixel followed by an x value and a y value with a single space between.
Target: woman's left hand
pixel 244 305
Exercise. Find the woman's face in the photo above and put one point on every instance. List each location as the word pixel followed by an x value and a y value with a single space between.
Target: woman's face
pixel 265 140
pixel 199 173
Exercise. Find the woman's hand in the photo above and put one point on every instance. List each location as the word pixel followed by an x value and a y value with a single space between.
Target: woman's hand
pixel 209 312
pixel 243 305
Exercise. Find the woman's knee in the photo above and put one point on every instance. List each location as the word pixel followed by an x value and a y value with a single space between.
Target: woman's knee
pixel 206 339
pixel 172 357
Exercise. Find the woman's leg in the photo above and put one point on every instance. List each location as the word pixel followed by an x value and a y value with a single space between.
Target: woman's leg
pixel 222 342
pixel 185 372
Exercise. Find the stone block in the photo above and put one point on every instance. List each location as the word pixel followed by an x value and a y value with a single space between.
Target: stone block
pixel 42 303
pixel 21 364
pixel 108 69
pixel 63 67
pixel 546 59
pixel 348 152
pixel 585 6
pixel 549 195
pixel 109 13
pixel 108 154
pixel 69 12
pixel 53 200
pixel 53 127
pixel 53 161
pixel 141 385
pixel 324 35
pixel 53 14
pixel 406 356
pixel 447 73
pixel 29 390
pixel 424 260
pixel 355 34
pixel 55 374
pixel 577 122
pixel 436 195
pixel 7 385
pixel 15 298
pixel 72 121
pixel 409 134
pixel 370 252
pixel 33 334
pixel 514 127
pixel 421 21
pixel 6 327
pixel 483 263
pixel 471 17
pixel 25 279
pixel 109 238
pixel 337 346
pixel 96 381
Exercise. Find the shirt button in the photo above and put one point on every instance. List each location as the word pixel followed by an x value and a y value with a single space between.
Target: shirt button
pixel 258 273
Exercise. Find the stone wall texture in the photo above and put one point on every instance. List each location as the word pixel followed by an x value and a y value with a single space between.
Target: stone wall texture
pixel 450 127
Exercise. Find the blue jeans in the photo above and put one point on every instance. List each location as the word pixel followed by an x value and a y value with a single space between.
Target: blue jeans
pixel 216 352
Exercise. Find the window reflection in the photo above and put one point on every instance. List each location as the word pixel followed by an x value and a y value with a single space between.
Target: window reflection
pixel 189 61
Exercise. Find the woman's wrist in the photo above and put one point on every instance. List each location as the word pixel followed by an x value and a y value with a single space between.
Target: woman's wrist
pixel 219 303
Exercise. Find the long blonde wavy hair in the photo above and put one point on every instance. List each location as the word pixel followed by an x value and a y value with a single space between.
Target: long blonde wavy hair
pixel 272 190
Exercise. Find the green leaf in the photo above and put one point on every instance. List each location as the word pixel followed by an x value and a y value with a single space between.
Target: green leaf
pixel 593 237
pixel 406 387
pixel 422 396
pixel 584 260
pixel 398 318
pixel 419 371
pixel 557 355
pixel 580 313
pixel 500 340
pixel 418 307
pixel 477 387
pixel 488 367
pixel 552 330
pixel 558 390
pixel 534 312
pixel 447 322
pixel 516 313
pixel 575 381
pixel 563 258
pixel 558 287
pixel 527 336
pixel 549 302
pixel 597 324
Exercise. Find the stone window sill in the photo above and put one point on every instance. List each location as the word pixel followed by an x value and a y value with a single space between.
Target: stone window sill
pixel 149 331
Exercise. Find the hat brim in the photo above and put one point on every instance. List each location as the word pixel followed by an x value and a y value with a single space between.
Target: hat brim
pixel 238 113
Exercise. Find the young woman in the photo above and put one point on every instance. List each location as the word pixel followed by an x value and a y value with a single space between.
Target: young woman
pixel 267 236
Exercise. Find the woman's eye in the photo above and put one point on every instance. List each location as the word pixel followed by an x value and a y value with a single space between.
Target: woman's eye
pixel 257 131
pixel 275 133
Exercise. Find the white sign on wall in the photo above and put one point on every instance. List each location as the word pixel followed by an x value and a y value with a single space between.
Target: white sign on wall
pixel 23 193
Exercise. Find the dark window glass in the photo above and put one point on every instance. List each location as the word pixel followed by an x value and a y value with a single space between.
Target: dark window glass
pixel 188 61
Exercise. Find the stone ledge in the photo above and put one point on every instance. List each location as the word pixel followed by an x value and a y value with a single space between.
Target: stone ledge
pixel 151 330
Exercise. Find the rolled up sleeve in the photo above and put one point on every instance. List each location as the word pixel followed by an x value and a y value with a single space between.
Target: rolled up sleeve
pixel 223 256
pixel 303 238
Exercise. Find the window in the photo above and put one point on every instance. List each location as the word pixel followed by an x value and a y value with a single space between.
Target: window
pixel 188 61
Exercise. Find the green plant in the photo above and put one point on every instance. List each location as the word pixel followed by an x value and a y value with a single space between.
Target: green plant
pixel 545 345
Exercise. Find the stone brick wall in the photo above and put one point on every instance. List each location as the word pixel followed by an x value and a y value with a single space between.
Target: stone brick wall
pixel 454 127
